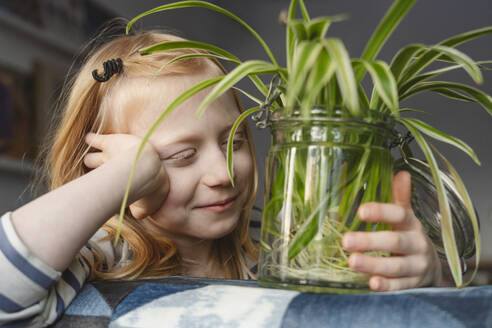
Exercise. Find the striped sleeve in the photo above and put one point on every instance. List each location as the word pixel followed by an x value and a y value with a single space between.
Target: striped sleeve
pixel 32 294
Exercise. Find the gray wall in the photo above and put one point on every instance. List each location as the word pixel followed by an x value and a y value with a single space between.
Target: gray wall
pixel 428 22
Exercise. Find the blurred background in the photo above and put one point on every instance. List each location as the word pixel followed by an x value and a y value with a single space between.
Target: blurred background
pixel 39 39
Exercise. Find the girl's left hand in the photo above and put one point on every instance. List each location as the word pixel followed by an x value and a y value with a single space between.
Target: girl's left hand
pixel 413 262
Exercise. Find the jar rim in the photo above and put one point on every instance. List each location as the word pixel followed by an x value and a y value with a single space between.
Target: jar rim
pixel 337 115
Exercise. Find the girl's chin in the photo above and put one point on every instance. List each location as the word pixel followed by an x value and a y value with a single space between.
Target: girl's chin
pixel 218 230
pixel 201 228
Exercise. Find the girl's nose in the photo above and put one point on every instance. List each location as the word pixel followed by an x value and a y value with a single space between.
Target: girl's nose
pixel 215 170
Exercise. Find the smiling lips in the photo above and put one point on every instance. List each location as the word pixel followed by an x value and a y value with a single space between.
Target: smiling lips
pixel 221 206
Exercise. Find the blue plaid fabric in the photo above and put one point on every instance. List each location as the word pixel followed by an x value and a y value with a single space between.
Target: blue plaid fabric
pixel 193 302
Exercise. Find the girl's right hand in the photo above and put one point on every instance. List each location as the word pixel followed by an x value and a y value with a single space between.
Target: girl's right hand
pixel 150 183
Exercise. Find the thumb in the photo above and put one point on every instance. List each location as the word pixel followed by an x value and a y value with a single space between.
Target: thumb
pixel 401 189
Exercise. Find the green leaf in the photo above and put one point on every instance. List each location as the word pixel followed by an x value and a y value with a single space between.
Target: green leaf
pixel 441 136
pixel 479 63
pixel 265 246
pixel 305 57
pixel 467 36
pixel 387 25
pixel 479 96
pixel 384 84
pixel 484 67
pixel 300 30
pixel 429 55
pixel 462 59
pixel 434 52
pixel 412 83
pixel 453 95
pixel 304 12
pixel 345 74
pixel 176 102
pixel 353 185
pixel 290 34
pixel 256 81
pixel 364 101
pixel 447 230
pixel 234 76
pixel 465 197
pixel 317 27
pixel 403 58
pixel 250 96
pixel 405 110
pixel 183 57
pixel 334 95
pixel 314 29
pixel 172 45
pixel 403 87
pixel 207 5
pixel 308 229
pixel 230 141
pixel 319 76
pixel 259 84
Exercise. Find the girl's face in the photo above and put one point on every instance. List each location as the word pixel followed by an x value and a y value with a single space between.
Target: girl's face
pixel 201 203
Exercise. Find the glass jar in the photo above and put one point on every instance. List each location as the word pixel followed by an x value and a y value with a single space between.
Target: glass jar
pixel 425 205
pixel 319 170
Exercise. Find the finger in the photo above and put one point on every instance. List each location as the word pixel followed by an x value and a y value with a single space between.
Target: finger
pixel 148 205
pixel 94 160
pixel 401 190
pixel 394 266
pixel 382 284
pixel 395 242
pixel 397 216
pixel 95 140
pixel 139 211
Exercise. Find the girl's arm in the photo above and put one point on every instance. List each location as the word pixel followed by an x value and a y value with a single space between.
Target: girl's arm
pixel 56 225
pixel 33 293
pixel 41 259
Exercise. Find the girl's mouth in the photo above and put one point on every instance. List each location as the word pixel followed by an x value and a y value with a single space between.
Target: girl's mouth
pixel 220 206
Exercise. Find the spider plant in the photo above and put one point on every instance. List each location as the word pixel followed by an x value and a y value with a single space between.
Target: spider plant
pixel 319 72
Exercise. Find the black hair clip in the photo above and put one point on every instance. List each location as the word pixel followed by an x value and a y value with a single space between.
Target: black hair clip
pixel 111 67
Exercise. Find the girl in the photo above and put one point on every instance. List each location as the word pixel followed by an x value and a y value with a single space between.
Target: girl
pixel 185 217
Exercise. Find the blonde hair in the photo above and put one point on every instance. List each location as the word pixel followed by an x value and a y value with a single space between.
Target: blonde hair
pixel 81 112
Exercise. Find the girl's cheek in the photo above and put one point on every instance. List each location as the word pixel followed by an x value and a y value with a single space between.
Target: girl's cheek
pixel 181 176
pixel 178 180
pixel 180 195
pixel 243 164
pixel 244 159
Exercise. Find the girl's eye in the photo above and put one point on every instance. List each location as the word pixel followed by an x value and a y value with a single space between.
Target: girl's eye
pixel 186 154
pixel 237 142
